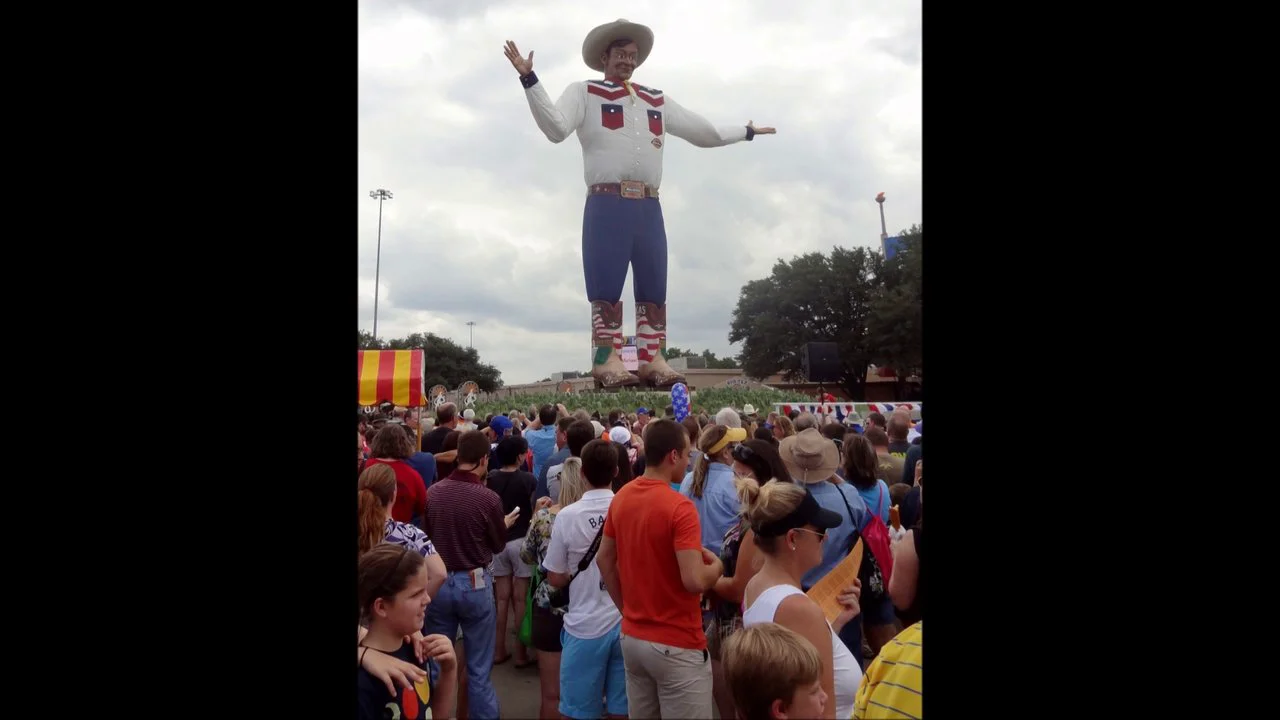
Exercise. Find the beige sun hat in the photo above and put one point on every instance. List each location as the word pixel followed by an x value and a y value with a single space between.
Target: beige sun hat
pixel 810 456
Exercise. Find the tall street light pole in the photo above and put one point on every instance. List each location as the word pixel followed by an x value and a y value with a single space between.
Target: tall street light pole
pixel 884 232
pixel 471 328
pixel 379 195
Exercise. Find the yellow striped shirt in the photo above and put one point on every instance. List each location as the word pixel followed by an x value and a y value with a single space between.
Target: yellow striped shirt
pixel 891 687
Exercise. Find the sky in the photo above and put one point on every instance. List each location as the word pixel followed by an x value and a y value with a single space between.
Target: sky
pixel 486 220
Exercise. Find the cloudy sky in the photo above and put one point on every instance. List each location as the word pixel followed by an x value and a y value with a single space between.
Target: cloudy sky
pixel 487 217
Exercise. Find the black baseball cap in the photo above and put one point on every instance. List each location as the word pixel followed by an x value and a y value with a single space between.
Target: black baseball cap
pixel 808 513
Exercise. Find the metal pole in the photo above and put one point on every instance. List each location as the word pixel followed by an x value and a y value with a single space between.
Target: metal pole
pixel 884 231
pixel 377 267
pixel 381 195
pixel 471 329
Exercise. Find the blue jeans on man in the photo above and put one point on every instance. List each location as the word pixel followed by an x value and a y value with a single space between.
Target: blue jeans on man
pixel 458 603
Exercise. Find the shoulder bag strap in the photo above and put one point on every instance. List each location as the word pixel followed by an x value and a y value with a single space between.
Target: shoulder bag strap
pixel 591 554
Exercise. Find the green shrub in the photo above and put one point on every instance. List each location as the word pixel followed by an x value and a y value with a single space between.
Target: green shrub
pixel 710 400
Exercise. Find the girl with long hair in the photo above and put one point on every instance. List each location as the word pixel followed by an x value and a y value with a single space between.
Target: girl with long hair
pixel 860 469
pixel 376 492
pixel 710 485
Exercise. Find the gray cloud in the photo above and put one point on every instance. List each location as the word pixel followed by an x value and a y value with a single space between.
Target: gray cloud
pixel 441 10
pixel 486 220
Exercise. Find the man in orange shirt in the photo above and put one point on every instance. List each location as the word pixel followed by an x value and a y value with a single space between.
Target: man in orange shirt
pixel 655 569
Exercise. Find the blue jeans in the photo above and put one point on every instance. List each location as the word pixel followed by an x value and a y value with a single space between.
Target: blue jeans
pixel 475 610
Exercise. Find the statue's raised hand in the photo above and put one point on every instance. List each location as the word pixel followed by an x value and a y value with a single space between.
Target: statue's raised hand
pixel 523 65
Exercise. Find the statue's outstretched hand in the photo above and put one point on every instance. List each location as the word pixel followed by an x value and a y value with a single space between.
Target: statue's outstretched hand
pixel 523 65
pixel 750 123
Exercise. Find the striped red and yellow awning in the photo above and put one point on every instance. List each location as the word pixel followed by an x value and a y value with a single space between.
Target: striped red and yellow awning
pixel 394 375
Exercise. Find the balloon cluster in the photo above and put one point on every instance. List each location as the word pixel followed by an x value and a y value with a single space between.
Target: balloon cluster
pixel 680 401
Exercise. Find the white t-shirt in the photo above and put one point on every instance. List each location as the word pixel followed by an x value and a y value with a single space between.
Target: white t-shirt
pixel 591 610
pixel 845 670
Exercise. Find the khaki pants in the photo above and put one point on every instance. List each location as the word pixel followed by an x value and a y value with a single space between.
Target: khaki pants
pixel 665 681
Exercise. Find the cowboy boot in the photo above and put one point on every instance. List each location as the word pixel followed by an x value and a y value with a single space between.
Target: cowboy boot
pixel 651 340
pixel 606 340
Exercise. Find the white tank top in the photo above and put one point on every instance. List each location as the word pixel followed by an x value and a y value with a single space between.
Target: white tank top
pixel 847 674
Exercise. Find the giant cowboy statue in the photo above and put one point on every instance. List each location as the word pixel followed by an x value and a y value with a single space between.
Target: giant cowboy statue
pixel 622 127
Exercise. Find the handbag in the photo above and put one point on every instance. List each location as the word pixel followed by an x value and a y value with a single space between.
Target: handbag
pixel 526 624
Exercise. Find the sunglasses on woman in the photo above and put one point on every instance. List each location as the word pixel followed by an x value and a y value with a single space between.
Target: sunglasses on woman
pixel 821 535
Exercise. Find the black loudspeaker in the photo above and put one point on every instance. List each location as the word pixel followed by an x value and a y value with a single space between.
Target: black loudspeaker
pixel 821 362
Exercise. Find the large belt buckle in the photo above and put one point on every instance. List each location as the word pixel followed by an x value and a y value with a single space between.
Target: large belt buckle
pixel 632 189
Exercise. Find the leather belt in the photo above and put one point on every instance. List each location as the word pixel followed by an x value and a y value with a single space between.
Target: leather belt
pixel 629 189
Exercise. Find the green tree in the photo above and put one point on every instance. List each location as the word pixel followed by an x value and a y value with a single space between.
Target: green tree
pixel 716 363
pixel 713 362
pixel 894 325
pixel 365 341
pixel 812 298
pixel 446 363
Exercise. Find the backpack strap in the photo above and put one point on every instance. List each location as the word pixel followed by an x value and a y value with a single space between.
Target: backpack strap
pixel 847 507
pixel 853 539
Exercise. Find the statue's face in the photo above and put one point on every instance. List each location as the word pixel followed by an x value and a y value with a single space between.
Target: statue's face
pixel 621 61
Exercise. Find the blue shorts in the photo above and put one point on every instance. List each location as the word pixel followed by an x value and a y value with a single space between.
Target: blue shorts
pixel 591 670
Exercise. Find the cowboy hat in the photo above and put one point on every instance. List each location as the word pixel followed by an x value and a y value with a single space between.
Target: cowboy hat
pixel 748 409
pixel 809 456
pixel 599 38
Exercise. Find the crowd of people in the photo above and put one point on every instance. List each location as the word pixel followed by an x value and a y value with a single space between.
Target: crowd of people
pixel 647 567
